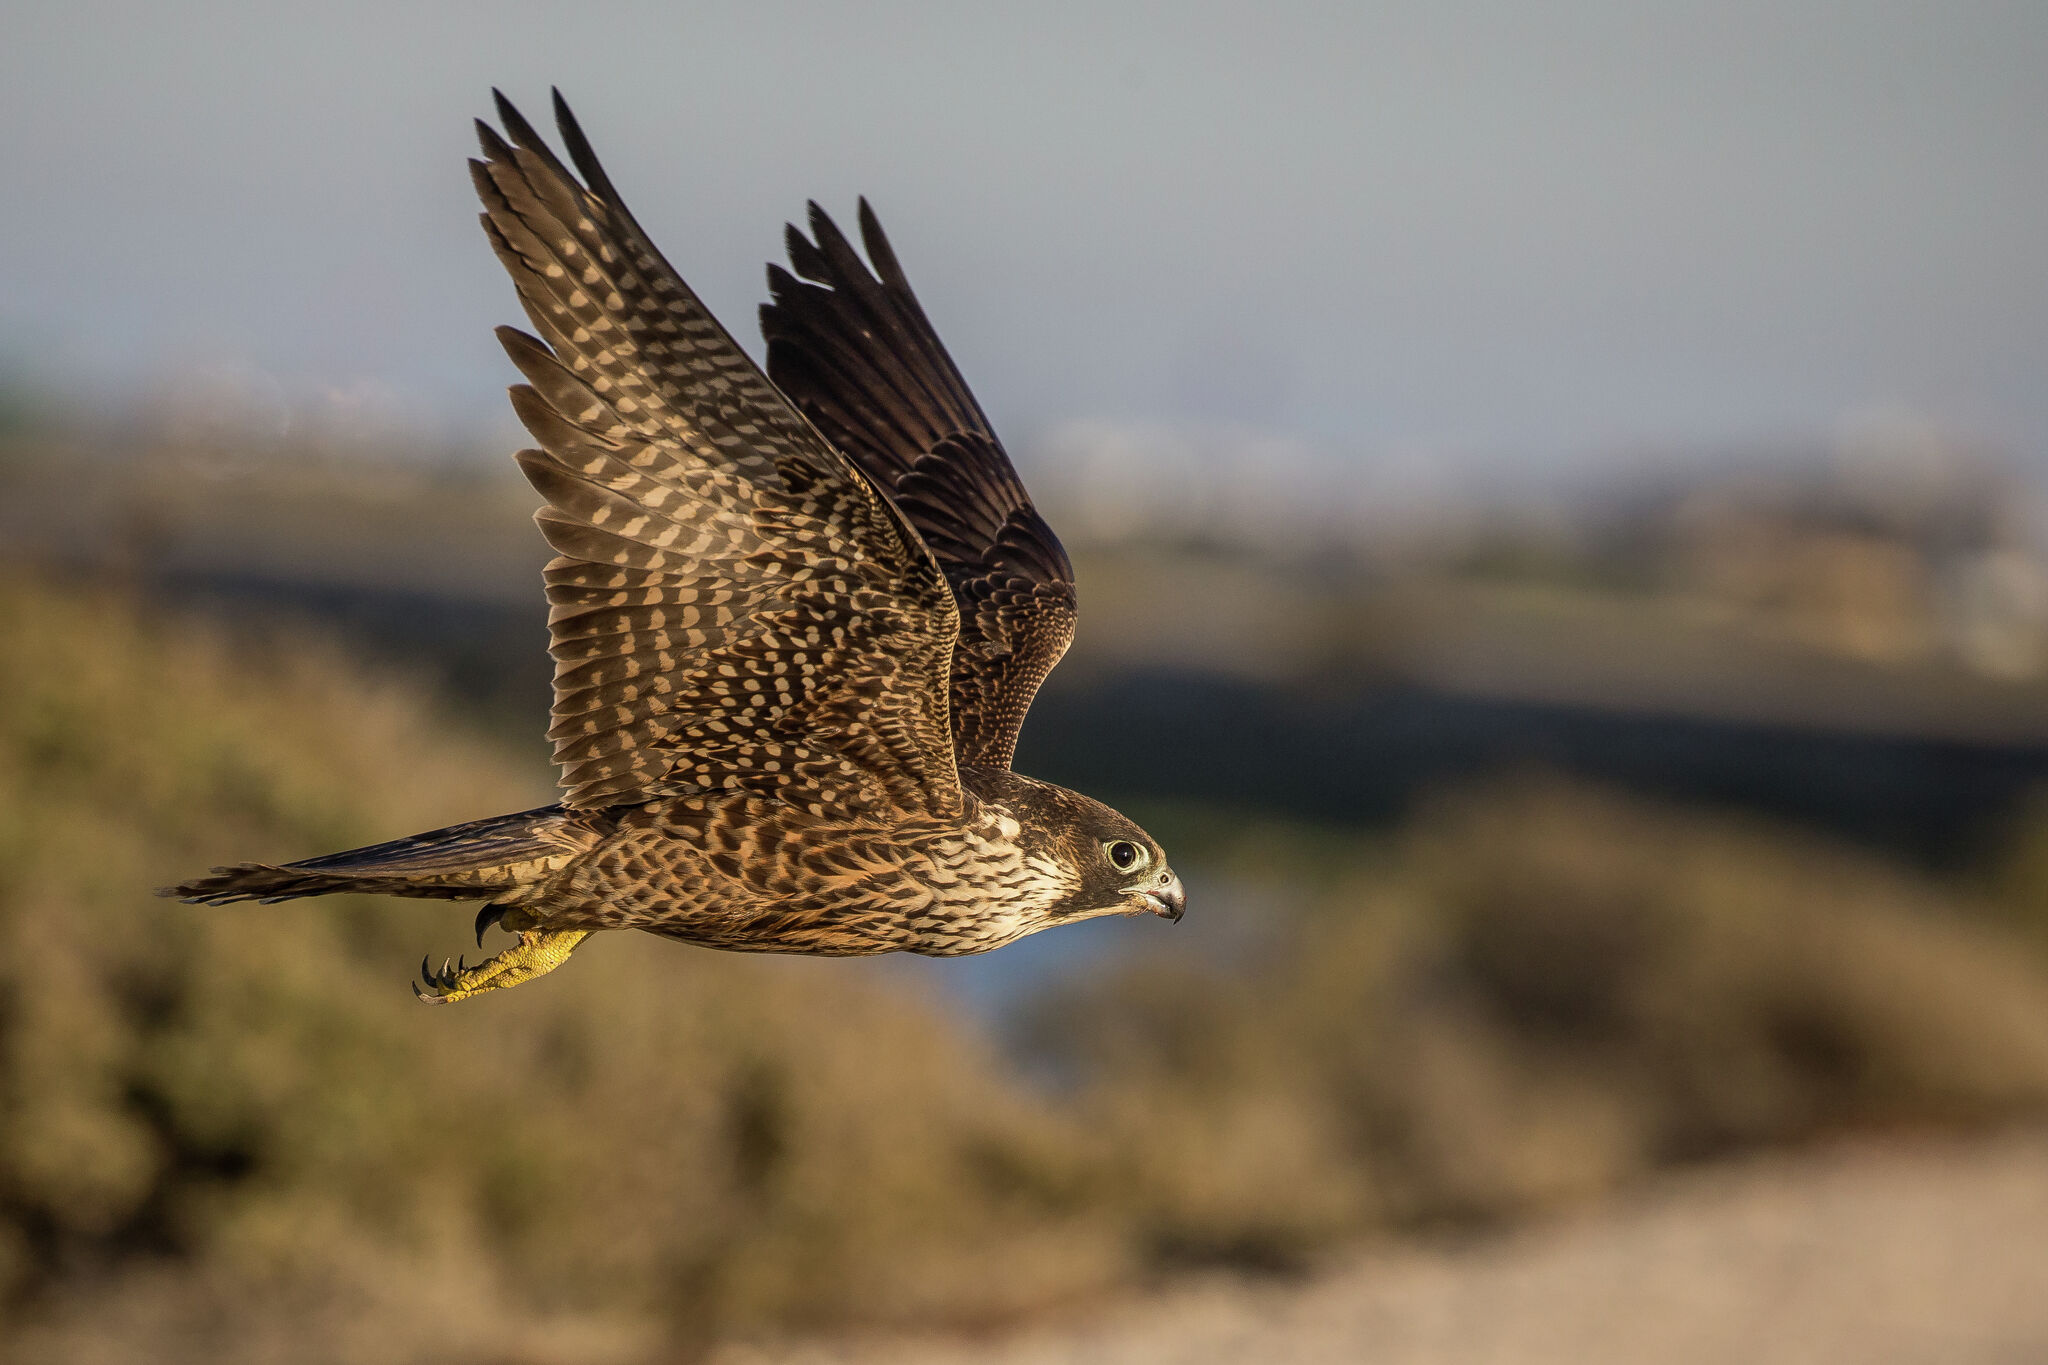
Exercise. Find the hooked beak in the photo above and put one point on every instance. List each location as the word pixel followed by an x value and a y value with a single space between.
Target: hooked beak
pixel 1168 901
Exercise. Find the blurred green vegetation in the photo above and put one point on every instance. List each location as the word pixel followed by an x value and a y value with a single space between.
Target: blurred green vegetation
pixel 231 1135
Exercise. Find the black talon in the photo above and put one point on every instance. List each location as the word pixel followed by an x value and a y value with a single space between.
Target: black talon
pixel 490 917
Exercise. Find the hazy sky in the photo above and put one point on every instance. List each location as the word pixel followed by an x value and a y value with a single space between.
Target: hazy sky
pixel 1504 230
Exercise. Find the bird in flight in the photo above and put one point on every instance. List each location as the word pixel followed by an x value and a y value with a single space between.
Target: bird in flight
pixel 796 618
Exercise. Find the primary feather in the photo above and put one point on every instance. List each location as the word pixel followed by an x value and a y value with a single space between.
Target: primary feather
pixel 854 350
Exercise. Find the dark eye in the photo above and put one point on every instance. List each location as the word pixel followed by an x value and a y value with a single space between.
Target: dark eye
pixel 1124 855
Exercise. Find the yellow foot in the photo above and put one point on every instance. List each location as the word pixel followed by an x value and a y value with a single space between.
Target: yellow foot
pixel 538 952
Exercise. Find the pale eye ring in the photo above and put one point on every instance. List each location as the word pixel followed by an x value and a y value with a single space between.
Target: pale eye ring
pixel 1124 855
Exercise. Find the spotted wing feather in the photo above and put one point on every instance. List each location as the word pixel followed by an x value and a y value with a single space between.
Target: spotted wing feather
pixel 852 348
pixel 733 605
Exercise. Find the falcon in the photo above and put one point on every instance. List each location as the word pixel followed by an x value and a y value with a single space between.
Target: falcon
pixel 797 619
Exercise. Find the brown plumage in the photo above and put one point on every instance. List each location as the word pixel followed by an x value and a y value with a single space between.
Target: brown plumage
pixel 793 644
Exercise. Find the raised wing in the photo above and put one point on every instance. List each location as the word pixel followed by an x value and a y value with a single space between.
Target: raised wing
pixel 734 605
pixel 854 351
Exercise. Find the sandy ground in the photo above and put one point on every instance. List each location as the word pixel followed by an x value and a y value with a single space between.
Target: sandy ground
pixel 1889 1253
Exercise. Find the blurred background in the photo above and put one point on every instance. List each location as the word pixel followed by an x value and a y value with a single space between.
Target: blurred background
pixel 1558 496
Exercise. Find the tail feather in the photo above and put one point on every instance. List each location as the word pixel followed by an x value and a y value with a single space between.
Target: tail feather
pixel 473 861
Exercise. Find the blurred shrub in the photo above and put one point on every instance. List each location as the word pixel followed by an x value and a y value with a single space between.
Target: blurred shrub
pixel 2018 884
pixel 235 1130
pixel 1541 992
pixel 231 1135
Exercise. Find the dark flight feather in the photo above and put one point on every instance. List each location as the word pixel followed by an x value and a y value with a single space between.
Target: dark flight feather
pixel 854 351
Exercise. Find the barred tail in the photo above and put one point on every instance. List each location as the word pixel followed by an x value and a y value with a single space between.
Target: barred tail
pixel 475 861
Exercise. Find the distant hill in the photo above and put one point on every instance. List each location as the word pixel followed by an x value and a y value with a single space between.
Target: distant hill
pixel 1704 641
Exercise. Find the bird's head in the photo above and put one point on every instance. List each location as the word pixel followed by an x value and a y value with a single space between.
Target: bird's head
pixel 1124 871
pixel 1106 864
